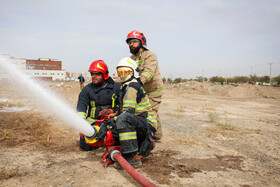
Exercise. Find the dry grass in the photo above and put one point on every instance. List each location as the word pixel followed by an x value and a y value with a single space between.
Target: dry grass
pixel 180 108
pixel 226 126
pixel 31 127
pixel 6 174
pixel 206 107
pixel 223 124
pixel 213 116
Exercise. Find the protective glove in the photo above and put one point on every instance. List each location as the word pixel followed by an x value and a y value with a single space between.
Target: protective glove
pixel 105 112
pixel 110 124
pixel 151 132
pixel 102 132
pixel 146 146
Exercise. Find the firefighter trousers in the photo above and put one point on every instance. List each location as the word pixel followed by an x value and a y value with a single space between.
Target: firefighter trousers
pixel 132 131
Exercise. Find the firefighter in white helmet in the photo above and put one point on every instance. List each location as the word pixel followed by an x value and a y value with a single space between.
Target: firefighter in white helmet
pixel 134 125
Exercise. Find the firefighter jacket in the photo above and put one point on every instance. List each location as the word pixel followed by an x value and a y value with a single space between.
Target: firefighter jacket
pixel 149 72
pixel 134 98
pixel 93 99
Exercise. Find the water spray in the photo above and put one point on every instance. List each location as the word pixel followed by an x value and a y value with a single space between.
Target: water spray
pixel 61 110
pixel 46 98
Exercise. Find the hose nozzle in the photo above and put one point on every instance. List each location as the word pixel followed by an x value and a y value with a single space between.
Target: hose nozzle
pixel 92 139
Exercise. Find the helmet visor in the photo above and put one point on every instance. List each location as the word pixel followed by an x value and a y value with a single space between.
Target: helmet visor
pixel 124 71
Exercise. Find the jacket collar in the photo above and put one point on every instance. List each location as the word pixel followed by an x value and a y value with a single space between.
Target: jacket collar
pixel 139 52
pixel 128 82
pixel 110 85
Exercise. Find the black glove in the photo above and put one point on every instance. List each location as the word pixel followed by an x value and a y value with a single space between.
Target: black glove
pixel 148 143
pixel 146 146
pixel 151 132
pixel 110 124
pixel 102 132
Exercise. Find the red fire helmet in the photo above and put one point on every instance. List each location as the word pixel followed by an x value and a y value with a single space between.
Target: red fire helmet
pixel 99 66
pixel 138 35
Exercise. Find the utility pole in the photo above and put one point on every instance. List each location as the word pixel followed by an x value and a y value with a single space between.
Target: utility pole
pixel 270 64
pixel 203 76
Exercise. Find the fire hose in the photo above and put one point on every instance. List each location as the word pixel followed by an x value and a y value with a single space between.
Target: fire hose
pixel 113 153
pixel 116 156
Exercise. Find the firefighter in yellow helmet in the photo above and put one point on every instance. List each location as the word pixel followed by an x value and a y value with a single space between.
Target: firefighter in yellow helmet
pixel 149 73
pixel 135 125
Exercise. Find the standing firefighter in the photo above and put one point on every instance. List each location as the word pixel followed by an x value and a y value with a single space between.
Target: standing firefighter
pixel 149 73
pixel 135 127
pixel 97 98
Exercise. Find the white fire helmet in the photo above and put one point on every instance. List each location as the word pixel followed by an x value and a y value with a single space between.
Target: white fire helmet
pixel 127 68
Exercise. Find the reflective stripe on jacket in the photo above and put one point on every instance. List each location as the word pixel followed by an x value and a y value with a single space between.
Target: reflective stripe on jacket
pixel 93 99
pixel 149 72
pixel 135 98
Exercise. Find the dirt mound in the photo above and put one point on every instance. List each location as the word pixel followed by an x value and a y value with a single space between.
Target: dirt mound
pixel 234 90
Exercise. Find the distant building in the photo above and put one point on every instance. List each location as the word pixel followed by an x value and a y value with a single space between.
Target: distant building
pixel 43 68
pixel 53 75
pixel 44 64
pixel 46 69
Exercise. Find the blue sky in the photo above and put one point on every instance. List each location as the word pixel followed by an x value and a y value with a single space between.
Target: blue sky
pixel 190 38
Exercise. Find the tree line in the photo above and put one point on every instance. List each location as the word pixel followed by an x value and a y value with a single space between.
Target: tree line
pixel 252 79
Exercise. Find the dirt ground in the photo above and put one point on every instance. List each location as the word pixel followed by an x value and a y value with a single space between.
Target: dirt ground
pixel 213 135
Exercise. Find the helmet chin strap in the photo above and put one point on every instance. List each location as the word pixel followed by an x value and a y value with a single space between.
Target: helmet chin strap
pixel 126 79
pixel 132 77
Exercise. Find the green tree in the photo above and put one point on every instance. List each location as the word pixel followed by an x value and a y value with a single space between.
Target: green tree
pixel 217 79
pixel 201 79
pixel 253 78
pixel 177 80
pixel 241 79
pixel 169 81
pixel 277 79
pixel 265 79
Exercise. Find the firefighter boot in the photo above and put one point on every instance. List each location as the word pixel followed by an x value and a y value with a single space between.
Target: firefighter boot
pixel 133 159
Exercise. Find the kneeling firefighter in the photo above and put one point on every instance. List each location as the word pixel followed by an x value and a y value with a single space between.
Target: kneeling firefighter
pixel 97 99
pixel 134 125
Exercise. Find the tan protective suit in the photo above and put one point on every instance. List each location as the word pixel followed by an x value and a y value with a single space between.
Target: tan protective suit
pixel 152 81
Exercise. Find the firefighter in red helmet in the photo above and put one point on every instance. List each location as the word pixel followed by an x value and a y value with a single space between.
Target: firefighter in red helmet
pixel 98 97
pixel 150 76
